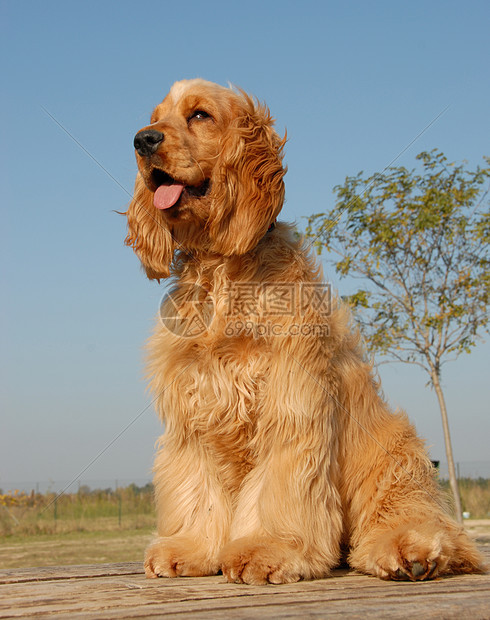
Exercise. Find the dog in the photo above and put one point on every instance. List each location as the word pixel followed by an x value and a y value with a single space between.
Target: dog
pixel 280 457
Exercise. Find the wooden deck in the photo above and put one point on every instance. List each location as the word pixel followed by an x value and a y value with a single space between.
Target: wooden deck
pixel 121 591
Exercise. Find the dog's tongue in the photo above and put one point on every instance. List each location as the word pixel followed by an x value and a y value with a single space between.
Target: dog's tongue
pixel 167 195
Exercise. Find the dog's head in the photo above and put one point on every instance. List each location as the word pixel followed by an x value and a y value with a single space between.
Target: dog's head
pixel 210 176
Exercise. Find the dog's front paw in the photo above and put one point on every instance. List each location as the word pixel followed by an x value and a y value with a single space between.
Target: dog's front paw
pixel 178 557
pixel 257 562
pixel 419 552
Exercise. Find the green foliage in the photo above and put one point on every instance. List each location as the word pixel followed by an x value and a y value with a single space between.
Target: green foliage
pixel 419 243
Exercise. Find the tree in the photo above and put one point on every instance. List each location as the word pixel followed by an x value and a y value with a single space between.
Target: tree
pixel 419 244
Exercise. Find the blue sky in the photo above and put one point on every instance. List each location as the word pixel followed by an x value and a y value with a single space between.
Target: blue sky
pixel 353 82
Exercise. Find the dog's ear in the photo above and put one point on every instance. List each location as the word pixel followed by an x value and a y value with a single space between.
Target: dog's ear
pixel 147 233
pixel 247 184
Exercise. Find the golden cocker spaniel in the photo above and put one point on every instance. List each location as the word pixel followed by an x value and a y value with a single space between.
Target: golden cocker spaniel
pixel 279 453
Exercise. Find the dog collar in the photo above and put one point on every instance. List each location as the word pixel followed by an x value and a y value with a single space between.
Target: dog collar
pixel 271 227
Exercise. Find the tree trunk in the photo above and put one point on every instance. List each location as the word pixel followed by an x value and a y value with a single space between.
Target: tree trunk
pixel 449 449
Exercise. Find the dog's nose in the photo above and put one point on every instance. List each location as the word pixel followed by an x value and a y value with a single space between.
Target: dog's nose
pixel 147 141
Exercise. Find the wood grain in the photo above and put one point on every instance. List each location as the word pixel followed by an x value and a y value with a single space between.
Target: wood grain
pixel 121 591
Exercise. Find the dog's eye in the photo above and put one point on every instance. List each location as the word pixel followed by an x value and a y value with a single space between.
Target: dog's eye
pixel 198 115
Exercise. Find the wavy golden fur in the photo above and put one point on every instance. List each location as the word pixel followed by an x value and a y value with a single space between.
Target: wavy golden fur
pixel 280 456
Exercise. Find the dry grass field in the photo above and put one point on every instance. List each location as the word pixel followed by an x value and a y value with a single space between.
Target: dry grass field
pixel 88 527
pixel 75 548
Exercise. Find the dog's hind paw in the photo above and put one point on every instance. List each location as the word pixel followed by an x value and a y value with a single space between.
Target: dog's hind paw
pixel 414 571
pixel 417 552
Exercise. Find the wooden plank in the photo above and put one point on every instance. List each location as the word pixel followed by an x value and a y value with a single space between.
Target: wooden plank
pixel 121 590
pixel 45 573
pixel 110 597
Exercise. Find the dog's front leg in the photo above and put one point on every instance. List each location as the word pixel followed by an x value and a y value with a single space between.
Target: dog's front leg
pixel 287 522
pixel 193 512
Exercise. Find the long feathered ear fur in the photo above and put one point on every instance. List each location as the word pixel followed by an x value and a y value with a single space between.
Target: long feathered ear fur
pixel 247 184
pixel 147 233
